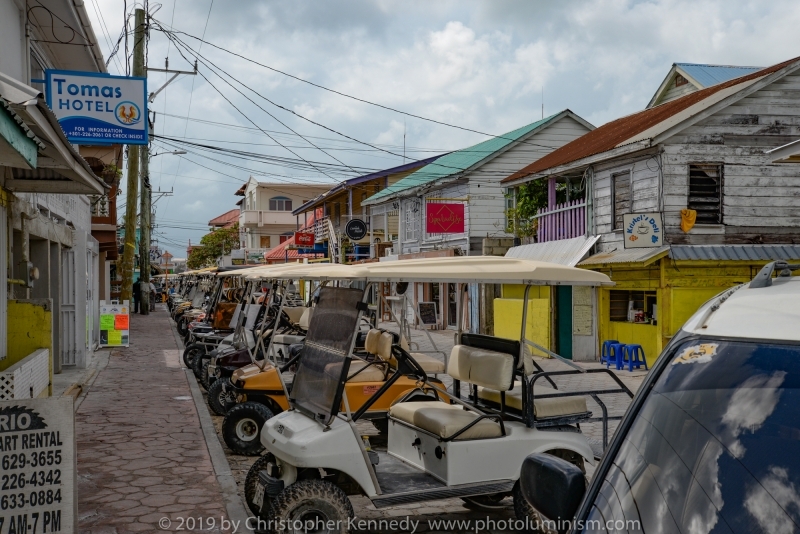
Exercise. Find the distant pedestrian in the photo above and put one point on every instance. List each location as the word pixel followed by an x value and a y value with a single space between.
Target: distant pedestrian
pixel 136 295
pixel 152 296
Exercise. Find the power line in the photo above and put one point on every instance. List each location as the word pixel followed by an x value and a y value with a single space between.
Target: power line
pixel 191 93
pixel 199 57
pixel 334 91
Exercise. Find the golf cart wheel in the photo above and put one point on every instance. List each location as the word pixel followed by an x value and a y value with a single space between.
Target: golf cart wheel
pixel 381 425
pixel 204 379
pixel 241 428
pixel 251 480
pixel 190 353
pixel 486 502
pixel 197 365
pixel 314 503
pixel 523 510
pixel 221 401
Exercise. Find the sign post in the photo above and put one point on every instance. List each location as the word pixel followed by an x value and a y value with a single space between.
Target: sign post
pixel 37 459
pixel 114 324
pixel 356 229
pixel 99 108
pixel 444 218
pixel 643 230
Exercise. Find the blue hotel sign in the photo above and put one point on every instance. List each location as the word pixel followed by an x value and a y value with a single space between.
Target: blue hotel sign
pixel 99 108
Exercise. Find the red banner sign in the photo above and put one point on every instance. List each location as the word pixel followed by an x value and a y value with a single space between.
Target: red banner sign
pixel 445 218
pixel 303 239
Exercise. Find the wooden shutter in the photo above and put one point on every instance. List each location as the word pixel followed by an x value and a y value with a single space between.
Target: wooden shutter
pixel 705 193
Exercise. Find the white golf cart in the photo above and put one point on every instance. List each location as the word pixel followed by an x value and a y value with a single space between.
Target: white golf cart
pixel 439 446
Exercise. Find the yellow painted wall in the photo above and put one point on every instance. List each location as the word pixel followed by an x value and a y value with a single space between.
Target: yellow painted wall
pixel 681 287
pixel 30 327
pixel 508 320
pixel 517 291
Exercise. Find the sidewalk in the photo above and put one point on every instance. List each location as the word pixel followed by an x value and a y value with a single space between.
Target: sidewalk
pixel 142 456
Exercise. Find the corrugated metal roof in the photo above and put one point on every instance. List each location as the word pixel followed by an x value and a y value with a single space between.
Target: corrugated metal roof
pixel 458 161
pixel 708 75
pixel 361 179
pixel 227 218
pixel 621 130
pixel 625 255
pixel 564 252
pixel 735 252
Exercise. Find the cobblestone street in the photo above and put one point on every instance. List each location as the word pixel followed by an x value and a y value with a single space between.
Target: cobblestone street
pixel 141 452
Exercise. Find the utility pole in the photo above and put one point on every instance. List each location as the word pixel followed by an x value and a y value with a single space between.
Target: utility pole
pixel 144 232
pixel 129 249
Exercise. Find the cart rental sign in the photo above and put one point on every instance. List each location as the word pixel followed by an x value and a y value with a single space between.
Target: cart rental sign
pixel 94 107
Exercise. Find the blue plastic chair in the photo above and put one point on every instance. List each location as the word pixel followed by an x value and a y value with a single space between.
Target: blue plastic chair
pixel 604 352
pixel 616 355
pixel 635 356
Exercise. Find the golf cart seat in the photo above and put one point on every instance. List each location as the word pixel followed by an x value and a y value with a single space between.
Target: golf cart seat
pixel 484 368
pixel 542 408
pixel 301 321
pixel 444 420
pixel 429 364
pixel 379 344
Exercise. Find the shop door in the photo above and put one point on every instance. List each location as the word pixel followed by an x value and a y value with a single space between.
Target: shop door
pixel 452 306
pixel 564 321
pixel 69 335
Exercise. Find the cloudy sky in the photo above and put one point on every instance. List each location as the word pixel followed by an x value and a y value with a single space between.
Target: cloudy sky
pixel 482 65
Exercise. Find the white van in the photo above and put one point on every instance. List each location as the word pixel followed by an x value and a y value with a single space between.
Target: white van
pixel 711 443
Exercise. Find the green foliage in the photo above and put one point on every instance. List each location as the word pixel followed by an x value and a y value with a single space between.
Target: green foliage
pixel 531 197
pixel 213 246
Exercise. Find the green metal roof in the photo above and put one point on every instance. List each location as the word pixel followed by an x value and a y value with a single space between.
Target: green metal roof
pixel 457 162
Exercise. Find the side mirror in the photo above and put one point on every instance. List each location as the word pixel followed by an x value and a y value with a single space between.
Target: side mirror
pixel 553 486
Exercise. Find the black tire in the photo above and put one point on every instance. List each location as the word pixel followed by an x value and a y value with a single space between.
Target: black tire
pixel 486 502
pixel 251 480
pixel 242 426
pixel 381 425
pixel 190 353
pixel 319 501
pixel 204 379
pixel 182 327
pixel 218 401
pixel 197 365
pixel 524 511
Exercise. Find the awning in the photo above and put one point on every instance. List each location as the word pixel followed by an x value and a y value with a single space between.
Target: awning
pixel 564 252
pixel 789 153
pixel 59 167
pixel 757 253
pixel 641 256
pixel 19 146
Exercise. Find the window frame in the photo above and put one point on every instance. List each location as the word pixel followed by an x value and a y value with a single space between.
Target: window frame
pixel 280 203
pixel 721 196
pixel 614 213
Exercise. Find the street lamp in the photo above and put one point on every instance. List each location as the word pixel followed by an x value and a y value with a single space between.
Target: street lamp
pixel 173 153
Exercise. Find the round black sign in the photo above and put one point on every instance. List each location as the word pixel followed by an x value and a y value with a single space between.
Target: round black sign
pixel 356 229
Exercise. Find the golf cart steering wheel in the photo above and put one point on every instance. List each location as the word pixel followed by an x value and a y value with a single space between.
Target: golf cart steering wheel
pixel 402 355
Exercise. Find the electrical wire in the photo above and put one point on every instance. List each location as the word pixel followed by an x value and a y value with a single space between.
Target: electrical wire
pixel 388 108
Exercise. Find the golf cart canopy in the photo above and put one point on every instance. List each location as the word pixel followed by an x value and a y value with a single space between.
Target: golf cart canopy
pixel 471 269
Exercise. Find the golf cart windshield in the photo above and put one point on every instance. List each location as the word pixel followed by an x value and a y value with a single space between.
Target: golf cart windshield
pixel 321 373
pixel 714 448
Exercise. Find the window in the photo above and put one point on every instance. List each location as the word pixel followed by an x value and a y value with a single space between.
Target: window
pixel 264 241
pixel 280 204
pixel 705 193
pixel 680 80
pixel 713 447
pixel 633 306
pixel 412 223
pixel 284 238
pixel 621 198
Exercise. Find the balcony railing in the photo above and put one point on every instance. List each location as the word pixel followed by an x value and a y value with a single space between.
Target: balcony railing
pixel 260 218
pixel 563 221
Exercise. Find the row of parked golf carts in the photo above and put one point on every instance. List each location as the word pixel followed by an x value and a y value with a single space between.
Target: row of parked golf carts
pixel 293 376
